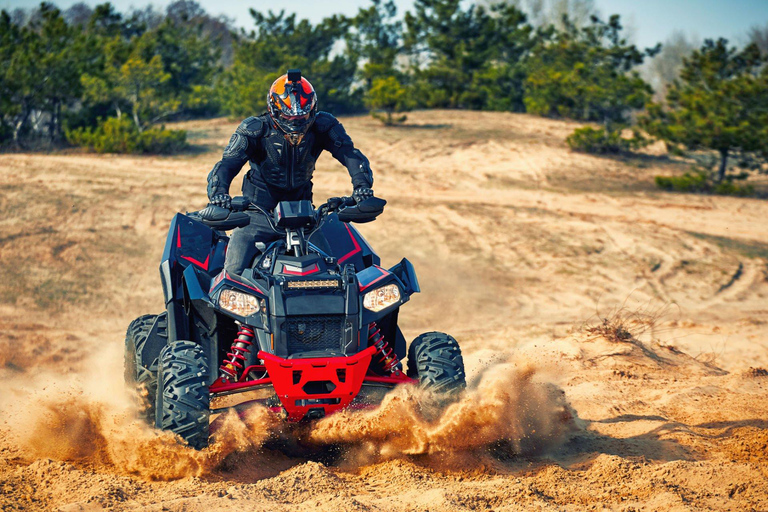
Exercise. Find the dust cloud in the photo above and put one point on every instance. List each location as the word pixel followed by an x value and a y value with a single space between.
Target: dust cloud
pixel 90 418
pixel 98 425
pixel 506 407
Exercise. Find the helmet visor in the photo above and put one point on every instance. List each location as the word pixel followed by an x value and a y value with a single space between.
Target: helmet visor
pixel 298 124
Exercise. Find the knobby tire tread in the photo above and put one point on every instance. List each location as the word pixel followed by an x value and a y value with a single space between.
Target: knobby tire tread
pixel 183 402
pixel 435 359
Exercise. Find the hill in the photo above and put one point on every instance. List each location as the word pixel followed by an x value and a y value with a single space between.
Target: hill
pixel 616 336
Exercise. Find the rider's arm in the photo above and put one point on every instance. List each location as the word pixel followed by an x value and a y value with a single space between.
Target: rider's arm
pixel 234 157
pixel 340 145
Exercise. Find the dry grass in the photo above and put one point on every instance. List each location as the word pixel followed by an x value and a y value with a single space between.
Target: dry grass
pixel 757 372
pixel 624 324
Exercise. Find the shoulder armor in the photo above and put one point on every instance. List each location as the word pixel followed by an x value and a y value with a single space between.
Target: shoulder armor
pixel 236 147
pixel 251 127
pixel 325 121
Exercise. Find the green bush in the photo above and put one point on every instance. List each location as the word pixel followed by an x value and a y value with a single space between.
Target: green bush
pixel 121 136
pixel 729 188
pixel 688 182
pixel 701 182
pixel 386 97
pixel 601 141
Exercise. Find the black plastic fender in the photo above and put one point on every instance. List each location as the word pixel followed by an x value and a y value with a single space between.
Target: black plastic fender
pixel 156 340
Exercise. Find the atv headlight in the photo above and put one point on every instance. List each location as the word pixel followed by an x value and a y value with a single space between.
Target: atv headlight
pixel 240 304
pixel 381 298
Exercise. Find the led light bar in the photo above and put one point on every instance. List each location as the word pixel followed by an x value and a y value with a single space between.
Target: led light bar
pixel 312 284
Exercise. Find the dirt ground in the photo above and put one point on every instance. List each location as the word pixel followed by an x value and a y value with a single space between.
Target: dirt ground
pixel 615 337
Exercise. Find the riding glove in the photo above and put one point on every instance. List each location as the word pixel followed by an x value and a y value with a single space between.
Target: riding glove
pixel 362 193
pixel 222 200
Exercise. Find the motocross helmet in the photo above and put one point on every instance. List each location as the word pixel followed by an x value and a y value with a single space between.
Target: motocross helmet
pixel 292 105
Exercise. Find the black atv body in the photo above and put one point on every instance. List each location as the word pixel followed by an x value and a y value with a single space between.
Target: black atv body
pixel 315 317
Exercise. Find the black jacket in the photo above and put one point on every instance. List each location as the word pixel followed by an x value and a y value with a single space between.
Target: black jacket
pixel 280 171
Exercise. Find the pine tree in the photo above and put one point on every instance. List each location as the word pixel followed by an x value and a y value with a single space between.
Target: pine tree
pixel 719 103
pixel 453 48
pixel 280 42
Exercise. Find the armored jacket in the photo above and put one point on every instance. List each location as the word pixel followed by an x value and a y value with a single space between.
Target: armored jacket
pixel 279 170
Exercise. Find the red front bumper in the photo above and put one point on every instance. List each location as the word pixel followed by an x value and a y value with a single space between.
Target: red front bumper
pixel 323 385
pixel 298 382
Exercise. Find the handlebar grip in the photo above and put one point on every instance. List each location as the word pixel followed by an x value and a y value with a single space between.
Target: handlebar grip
pixel 214 213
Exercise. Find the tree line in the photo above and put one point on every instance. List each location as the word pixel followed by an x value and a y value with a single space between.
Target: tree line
pixel 108 80
pixel 66 70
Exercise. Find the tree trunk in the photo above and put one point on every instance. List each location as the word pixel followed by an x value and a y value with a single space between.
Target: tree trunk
pixel 17 129
pixel 53 121
pixel 723 165
pixel 19 126
pixel 58 123
pixel 136 118
pixel 135 108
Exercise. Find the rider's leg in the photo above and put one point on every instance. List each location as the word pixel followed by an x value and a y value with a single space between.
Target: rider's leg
pixel 240 251
pixel 242 244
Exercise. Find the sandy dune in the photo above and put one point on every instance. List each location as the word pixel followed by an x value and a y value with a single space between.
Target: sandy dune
pixel 616 337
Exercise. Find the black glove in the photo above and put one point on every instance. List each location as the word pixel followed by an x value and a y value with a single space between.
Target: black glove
pixel 222 200
pixel 334 203
pixel 362 193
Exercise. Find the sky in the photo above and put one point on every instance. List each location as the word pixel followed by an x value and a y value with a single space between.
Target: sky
pixel 650 21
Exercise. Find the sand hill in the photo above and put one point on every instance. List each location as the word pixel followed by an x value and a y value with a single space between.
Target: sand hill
pixel 616 337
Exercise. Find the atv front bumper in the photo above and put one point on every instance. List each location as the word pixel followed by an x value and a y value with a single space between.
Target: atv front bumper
pixel 311 388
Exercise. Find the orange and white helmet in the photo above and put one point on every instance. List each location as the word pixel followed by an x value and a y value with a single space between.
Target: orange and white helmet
pixel 292 105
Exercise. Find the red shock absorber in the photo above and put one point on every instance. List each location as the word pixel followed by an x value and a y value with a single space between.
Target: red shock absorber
pixel 236 355
pixel 388 359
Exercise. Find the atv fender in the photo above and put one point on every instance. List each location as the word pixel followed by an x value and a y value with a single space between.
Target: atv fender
pixel 156 340
pixel 196 283
pixel 407 276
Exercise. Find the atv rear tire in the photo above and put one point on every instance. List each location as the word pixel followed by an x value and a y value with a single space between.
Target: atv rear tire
pixel 136 375
pixel 434 358
pixel 182 404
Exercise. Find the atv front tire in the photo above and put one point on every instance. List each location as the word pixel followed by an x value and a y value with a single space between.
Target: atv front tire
pixel 434 358
pixel 136 375
pixel 182 404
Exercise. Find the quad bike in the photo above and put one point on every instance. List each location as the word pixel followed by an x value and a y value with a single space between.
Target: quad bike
pixel 311 325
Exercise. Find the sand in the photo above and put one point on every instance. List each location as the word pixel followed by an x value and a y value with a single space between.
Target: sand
pixel 615 337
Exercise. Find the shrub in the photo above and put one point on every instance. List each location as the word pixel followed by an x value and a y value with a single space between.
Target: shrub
pixel 385 98
pixel 121 136
pixel 688 182
pixel 162 141
pixel 701 182
pixel 602 141
pixel 729 188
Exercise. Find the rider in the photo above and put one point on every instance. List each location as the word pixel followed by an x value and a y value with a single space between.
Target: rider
pixel 282 146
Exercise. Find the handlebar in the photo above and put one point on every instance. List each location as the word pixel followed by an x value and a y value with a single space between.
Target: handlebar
pixel 230 218
pixel 347 208
pixel 241 204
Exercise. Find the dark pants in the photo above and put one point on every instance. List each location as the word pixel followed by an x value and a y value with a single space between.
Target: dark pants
pixel 242 244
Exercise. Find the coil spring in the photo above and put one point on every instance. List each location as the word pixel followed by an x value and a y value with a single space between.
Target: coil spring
pixel 389 360
pixel 236 355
